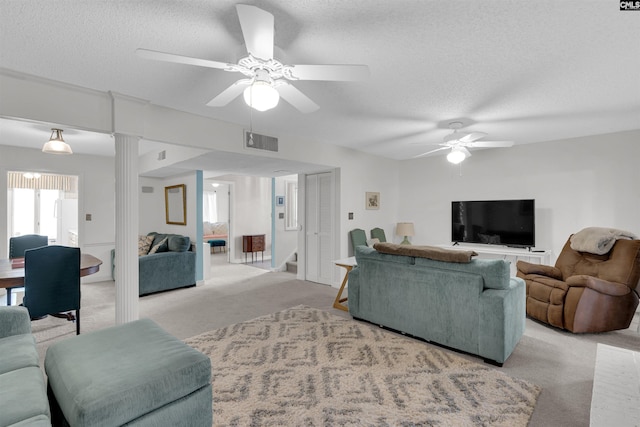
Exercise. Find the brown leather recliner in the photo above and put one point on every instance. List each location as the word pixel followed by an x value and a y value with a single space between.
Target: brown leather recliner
pixel 585 292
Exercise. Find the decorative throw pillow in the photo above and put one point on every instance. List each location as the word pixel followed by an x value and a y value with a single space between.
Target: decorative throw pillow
pixel 144 243
pixel 372 242
pixel 206 228
pixel 160 247
pixel 219 228
pixel 178 243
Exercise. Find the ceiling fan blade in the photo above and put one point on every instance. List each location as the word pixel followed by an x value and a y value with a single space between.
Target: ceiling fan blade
pixel 296 98
pixel 179 59
pixel 490 144
pixel 472 136
pixel 464 136
pixel 338 73
pixel 257 30
pixel 229 94
pixel 432 151
pixel 465 151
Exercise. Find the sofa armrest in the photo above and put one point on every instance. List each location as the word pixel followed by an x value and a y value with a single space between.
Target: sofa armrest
pixel 14 321
pixel 353 292
pixel 544 270
pixel 599 285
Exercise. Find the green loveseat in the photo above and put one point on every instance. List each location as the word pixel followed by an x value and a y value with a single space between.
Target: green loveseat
pixel 475 307
pixel 23 392
pixel 172 267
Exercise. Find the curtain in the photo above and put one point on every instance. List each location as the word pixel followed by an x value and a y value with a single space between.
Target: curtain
pixel 41 182
pixel 210 206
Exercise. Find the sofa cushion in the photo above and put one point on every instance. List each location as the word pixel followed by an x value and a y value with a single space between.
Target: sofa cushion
pixel 18 351
pixel 162 246
pixel 431 252
pixel 495 272
pixel 179 243
pixel 144 244
pixel 23 395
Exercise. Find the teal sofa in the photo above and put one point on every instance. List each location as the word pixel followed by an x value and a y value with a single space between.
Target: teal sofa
pixel 172 267
pixel 23 393
pixel 474 307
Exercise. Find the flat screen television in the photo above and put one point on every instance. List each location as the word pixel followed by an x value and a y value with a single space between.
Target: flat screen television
pixel 494 222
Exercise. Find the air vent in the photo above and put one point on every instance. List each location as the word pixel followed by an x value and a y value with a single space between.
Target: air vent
pixel 260 142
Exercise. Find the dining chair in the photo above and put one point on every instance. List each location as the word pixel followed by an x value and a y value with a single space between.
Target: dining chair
pixel 358 238
pixel 17 246
pixel 52 282
pixel 378 233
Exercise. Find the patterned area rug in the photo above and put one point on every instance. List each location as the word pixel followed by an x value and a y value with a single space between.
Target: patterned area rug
pixel 306 367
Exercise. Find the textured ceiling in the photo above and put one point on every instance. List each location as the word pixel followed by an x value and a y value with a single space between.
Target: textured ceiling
pixel 527 71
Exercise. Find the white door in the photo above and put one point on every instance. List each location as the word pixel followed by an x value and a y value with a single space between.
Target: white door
pixel 319 227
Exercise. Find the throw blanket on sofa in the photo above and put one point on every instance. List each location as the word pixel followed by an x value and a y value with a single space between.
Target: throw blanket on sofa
pixel 431 252
pixel 598 240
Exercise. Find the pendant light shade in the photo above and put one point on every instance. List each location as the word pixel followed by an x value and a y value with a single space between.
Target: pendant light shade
pixel 456 156
pixel 261 95
pixel 56 144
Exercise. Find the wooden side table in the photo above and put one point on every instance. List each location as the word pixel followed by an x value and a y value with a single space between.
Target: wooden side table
pixel 348 264
pixel 251 244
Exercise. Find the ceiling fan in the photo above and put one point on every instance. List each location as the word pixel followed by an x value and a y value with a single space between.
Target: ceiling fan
pixel 267 78
pixel 459 142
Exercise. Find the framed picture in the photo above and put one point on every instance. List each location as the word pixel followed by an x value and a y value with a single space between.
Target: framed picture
pixel 279 200
pixel 372 200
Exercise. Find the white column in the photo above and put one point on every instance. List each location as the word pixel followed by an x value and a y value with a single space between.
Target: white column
pixel 126 273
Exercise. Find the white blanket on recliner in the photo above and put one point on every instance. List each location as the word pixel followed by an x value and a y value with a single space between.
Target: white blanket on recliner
pixel 598 240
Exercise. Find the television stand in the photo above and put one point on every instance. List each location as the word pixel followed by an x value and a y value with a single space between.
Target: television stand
pixel 509 254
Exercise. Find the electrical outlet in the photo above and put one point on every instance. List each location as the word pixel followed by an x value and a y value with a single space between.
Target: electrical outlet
pixel 88 217
pixel 350 215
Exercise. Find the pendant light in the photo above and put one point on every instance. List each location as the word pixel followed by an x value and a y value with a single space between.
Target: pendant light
pixel 56 144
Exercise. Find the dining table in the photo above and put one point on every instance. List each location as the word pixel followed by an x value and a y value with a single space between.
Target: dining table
pixel 12 271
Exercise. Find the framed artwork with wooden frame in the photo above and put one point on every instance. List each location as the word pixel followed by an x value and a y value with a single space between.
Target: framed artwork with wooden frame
pixel 175 203
pixel 372 200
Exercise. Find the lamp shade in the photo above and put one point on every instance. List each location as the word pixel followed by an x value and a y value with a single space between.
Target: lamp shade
pixel 261 96
pixel 56 144
pixel 405 229
pixel 456 156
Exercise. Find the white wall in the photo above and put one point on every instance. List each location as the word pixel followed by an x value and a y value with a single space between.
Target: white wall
pixel 577 183
pixel 250 213
pixel 366 173
pixel 152 206
pixel 96 197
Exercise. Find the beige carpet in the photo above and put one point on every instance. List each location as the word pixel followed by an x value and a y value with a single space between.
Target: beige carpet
pixel 304 366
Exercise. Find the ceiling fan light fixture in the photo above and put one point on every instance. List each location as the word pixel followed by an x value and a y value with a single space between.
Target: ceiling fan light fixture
pixel 456 156
pixel 56 144
pixel 261 96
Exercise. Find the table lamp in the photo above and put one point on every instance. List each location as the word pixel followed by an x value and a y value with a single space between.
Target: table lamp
pixel 405 229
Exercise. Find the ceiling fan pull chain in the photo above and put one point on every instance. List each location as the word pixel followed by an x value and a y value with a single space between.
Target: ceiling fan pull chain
pixel 251 119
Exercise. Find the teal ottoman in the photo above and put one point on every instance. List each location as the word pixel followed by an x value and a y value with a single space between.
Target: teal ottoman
pixel 135 374
pixel 217 243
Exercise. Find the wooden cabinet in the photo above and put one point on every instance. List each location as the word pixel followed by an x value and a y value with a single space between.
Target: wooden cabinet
pixel 252 244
